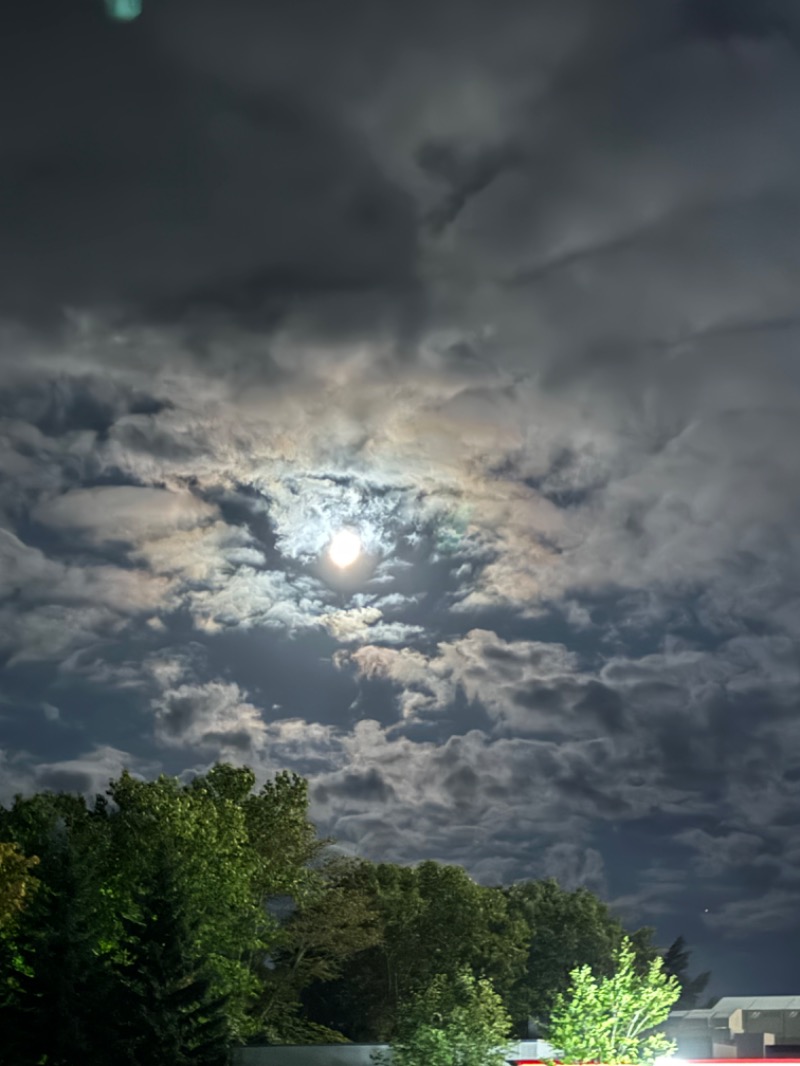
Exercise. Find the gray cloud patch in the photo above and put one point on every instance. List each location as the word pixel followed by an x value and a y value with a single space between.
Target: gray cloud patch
pixel 216 218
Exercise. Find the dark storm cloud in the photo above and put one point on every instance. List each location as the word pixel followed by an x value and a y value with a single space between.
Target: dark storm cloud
pixel 66 781
pixel 358 788
pixel 511 288
pixel 727 20
pixel 130 180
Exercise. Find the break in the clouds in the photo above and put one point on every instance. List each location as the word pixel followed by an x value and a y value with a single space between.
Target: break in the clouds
pixel 510 291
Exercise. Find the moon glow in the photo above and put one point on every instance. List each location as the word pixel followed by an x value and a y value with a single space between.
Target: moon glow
pixel 344 549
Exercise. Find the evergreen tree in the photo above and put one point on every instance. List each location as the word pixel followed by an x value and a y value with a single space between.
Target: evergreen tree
pixel 158 1004
pixel 52 963
pixel 676 964
pixel 230 850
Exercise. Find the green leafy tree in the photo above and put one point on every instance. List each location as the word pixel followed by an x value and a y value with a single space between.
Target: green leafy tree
pixel 158 1003
pixel 17 882
pixel 420 909
pixel 459 1020
pixel 363 1004
pixel 231 848
pixel 283 838
pixel 236 849
pixel 562 930
pixel 492 942
pixel 328 922
pixel 54 960
pixel 612 1019
pixel 676 964
pixel 208 844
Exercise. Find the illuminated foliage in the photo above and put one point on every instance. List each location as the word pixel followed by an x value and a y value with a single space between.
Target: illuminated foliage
pixel 160 1008
pixel 270 942
pixel 229 850
pixel 563 930
pixel 206 839
pixel 331 920
pixel 458 1020
pixel 611 1019
pixel 16 881
pixel 435 920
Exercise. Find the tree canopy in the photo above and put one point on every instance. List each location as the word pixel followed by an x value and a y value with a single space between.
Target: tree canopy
pixel 17 881
pixel 227 849
pixel 418 910
pixel 612 1019
pixel 562 930
pixel 458 1020
pixel 212 911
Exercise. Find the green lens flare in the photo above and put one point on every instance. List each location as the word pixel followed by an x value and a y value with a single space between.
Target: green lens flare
pixel 124 10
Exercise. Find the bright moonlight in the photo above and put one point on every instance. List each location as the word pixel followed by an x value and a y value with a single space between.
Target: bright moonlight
pixel 345 548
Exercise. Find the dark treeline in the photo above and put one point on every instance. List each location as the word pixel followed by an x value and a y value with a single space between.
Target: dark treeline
pixel 165 922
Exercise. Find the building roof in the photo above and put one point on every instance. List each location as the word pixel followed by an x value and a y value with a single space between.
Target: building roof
pixel 728 1004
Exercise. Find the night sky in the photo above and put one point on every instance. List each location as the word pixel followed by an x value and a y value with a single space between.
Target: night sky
pixel 508 288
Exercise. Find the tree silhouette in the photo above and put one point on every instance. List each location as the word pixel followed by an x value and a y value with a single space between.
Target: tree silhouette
pixel 676 964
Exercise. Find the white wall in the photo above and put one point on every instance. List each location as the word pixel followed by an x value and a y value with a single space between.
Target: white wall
pixel 307 1055
pixel 350 1054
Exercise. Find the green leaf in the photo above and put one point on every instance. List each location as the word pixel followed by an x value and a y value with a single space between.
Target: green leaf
pixel 613 1019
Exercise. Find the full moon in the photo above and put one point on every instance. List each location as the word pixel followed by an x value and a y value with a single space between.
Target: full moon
pixel 345 548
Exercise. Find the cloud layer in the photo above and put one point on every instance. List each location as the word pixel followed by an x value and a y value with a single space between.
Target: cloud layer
pixel 510 290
